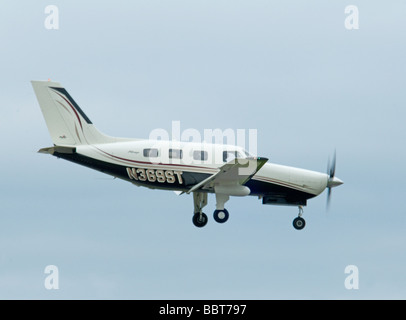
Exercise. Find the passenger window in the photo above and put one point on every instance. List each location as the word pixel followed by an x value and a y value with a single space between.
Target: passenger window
pixel 175 154
pixel 150 153
pixel 200 155
pixel 229 155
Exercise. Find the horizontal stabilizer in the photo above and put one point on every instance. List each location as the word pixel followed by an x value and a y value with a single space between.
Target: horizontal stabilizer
pixel 58 149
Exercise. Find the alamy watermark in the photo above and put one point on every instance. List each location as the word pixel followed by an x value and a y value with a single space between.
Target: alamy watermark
pixel 351 282
pixel 51 21
pixel 51 281
pixel 213 147
pixel 351 21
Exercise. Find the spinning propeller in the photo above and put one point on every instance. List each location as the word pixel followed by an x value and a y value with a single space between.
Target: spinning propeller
pixel 332 180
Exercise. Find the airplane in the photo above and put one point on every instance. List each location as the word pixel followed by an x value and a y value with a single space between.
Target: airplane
pixel 183 167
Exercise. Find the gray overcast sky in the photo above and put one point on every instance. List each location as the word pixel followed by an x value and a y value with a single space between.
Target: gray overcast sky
pixel 289 69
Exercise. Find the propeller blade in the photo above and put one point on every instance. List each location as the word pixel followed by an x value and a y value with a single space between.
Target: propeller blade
pixel 328 166
pixel 333 166
pixel 332 181
pixel 328 198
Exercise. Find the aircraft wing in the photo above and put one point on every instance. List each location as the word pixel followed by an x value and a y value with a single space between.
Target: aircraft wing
pixel 237 171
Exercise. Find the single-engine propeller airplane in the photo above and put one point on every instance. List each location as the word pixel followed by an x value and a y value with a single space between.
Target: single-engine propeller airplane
pixel 184 167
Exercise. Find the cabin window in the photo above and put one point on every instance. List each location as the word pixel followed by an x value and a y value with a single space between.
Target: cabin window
pixel 229 155
pixel 200 155
pixel 150 153
pixel 175 154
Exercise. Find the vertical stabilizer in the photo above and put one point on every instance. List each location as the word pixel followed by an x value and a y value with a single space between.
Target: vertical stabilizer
pixel 68 125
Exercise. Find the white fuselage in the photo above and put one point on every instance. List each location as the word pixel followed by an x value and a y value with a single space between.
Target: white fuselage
pixel 187 157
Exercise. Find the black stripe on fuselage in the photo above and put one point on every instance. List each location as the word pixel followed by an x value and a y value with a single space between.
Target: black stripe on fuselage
pixel 189 179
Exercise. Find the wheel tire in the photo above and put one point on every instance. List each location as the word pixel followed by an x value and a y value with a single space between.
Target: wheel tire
pixel 200 221
pixel 299 223
pixel 221 216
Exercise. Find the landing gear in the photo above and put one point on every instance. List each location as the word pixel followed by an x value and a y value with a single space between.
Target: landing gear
pixel 220 216
pixel 299 223
pixel 200 219
pixel 200 201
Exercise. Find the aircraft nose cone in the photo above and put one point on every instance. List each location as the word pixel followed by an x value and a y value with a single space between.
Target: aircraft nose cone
pixel 334 182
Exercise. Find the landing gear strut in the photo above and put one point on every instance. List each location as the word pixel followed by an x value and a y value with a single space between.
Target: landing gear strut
pixel 299 223
pixel 221 215
pixel 200 201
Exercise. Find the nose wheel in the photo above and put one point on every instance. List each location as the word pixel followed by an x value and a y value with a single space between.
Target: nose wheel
pixel 299 223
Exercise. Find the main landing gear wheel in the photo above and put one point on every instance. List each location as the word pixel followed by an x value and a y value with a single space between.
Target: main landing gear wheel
pixel 299 223
pixel 220 216
pixel 200 219
pixel 199 201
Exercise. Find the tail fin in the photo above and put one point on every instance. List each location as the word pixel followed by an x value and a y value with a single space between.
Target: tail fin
pixel 66 122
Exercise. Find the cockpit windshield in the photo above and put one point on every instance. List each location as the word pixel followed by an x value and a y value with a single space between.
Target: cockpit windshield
pixel 248 155
pixel 229 155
